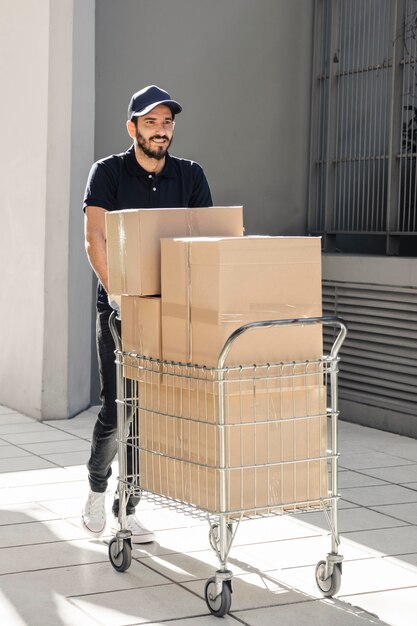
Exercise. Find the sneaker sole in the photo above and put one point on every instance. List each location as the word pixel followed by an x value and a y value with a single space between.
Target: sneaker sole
pixel 92 533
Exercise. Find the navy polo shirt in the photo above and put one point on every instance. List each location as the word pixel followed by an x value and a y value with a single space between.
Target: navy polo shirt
pixel 119 182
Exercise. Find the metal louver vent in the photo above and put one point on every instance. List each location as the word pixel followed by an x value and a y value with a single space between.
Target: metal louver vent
pixel 379 356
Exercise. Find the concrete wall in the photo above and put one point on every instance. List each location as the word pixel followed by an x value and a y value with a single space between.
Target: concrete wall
pixel 241 70
pixel 47 109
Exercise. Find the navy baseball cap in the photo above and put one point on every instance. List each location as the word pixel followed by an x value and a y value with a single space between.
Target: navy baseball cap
pixel 147 99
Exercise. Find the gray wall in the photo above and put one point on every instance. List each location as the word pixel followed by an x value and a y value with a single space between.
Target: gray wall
pixel 241 69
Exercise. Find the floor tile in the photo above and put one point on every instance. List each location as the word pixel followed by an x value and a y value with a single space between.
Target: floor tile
pixel 80 580
pixel 313 613
pixel 157 603
pixel 43 546
pixel 254 590
pixel 405 560
pixel 26 427
pixel 403 447
pixel 38 477
pixel 361 460
pixel 399 475
pixel 12 452
pixel 404 512
pixel 23 513
pixel 35 532
pixel 294 553
pixel 205 620
pixel 179 567
pixel 66 459
pixel 390 541
pixel 47 555
pixel 397 608
pixel 349 478
pixel 357 518
pixel 361 576
pixel 42 492
pixel 24 463
pixel 47 435
pixel 43 609
pixel 72 444
pixel 276 528
pixel 176 540
pixel 386 494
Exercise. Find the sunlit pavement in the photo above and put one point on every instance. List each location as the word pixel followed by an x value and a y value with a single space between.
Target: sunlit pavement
pixel 52 574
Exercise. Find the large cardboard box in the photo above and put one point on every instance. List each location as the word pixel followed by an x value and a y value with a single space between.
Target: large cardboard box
pixel 141 331
pixel 275 446
pixel 133 241
pixel 211 286
pixel 250 489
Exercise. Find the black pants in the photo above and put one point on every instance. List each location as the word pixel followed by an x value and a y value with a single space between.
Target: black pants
pixel 104 444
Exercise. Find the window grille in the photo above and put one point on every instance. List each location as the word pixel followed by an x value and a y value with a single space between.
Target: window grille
pixel 363 174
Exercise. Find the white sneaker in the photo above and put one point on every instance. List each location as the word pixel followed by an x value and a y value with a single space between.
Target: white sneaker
pixel 140 534
pixel 93 516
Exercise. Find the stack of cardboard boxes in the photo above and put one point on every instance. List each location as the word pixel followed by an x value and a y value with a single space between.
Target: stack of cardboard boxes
pixel 188 278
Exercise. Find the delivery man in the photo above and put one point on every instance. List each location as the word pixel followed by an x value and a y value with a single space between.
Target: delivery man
pixel 146 176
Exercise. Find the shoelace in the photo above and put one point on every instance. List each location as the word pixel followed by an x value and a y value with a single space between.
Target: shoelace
pixel 94 505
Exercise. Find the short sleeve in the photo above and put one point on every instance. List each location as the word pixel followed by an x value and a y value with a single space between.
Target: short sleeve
pixel 101 187
pixel 201 195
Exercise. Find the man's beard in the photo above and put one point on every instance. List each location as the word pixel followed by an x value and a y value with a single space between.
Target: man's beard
pixel 157 153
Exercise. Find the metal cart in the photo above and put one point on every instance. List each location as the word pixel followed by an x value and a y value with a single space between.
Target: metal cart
pixel 231 443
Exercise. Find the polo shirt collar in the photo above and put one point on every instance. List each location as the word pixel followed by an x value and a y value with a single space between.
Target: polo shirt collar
pixel 135 169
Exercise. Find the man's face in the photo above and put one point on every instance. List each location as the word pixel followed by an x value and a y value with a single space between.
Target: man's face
pixel 154 132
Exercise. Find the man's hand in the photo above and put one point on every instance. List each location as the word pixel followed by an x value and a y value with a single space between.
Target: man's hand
pixel 115 303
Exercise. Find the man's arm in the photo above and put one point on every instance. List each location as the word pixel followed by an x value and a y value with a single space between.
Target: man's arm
pixel 95 242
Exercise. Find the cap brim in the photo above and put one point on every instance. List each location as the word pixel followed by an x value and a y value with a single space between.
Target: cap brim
pixel 172 104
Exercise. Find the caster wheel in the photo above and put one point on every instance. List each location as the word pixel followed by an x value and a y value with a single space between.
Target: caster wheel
pixel 331 585
pixel 221 605
pixel 121 561
pixel 214 536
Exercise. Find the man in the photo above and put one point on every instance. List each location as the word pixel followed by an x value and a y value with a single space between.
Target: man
pixel 146 176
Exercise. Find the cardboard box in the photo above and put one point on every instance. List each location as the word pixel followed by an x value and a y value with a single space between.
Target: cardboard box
pixel 141 331
pixel 211 286
pixel 133 241
pixel 258 401
pixel 247 489
pixel 275 459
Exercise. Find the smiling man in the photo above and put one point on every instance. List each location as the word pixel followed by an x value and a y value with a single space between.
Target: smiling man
pixel 146 176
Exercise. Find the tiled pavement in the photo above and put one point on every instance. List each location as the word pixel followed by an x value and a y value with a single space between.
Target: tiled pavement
pixel 52 574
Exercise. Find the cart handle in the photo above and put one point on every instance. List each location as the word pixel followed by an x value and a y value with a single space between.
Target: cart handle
pixel 326 321
pixel 113 329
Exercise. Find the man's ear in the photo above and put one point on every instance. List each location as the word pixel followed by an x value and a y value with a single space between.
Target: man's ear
pixel 131 128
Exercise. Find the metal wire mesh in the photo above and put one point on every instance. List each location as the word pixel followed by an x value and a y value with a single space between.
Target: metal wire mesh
pixel 262 429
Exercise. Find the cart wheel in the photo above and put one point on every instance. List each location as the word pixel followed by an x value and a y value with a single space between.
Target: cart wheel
pixel 121 561
pixel 221 605
pixel 214 535
pixel 331 585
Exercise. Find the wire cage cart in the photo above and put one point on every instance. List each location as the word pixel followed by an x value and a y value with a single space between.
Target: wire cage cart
pixel 231 443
